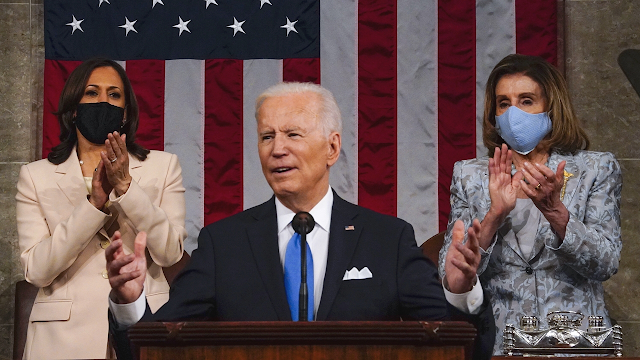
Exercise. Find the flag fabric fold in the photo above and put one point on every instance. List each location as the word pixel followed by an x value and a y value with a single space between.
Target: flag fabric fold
pixel 408 76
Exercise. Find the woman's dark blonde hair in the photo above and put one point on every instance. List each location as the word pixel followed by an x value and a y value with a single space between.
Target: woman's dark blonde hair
pixel 566 135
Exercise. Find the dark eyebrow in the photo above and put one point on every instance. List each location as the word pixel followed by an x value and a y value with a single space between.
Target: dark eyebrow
pixel 109 88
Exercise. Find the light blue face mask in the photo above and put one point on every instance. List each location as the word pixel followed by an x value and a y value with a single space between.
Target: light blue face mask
pixel 521 130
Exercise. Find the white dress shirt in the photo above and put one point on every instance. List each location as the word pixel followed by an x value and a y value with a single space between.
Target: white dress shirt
pixel 318 240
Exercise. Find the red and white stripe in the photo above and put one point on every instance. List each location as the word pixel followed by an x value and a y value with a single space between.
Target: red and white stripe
pixel 409 78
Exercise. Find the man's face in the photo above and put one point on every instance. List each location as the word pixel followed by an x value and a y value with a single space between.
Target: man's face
pixel 294 151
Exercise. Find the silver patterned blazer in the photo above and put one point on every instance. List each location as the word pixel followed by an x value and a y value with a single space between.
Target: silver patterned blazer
pixel 560 274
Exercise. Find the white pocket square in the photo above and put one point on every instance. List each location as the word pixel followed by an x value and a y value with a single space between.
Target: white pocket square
pixel 354 274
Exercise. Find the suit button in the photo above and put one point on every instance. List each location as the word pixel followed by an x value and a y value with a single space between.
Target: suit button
pixel 104 243
pixel 105 274
pixel 529 270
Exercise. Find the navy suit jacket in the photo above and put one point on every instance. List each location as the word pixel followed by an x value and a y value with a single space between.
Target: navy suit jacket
pixel 235 274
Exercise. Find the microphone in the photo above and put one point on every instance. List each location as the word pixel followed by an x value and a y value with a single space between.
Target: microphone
pixel 303 223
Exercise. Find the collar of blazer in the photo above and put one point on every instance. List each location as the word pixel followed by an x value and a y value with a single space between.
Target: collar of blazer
pixel 72 185
pixel 262 234
pixel 342 245
pixel 572 182
pixel 134 164
pixel 263 239
pixel 71 182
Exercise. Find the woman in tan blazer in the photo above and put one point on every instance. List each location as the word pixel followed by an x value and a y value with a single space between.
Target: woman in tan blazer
pixel 96 181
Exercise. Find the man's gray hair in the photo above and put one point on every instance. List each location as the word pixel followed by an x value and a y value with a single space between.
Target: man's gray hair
pixel 330 117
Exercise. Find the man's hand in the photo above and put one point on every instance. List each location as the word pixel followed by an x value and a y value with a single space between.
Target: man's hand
pixel 462 261
pixel 127 272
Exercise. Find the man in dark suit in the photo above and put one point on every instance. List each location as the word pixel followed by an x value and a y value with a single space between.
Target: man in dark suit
pixel 365 265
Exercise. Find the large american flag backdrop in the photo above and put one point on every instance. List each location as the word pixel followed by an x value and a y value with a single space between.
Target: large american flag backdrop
pixel 408 75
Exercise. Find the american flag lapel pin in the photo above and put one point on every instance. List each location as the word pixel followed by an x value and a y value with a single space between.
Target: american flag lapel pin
pixel 349 227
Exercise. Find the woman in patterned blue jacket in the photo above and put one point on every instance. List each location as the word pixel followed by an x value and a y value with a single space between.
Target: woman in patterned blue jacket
pixel 550 210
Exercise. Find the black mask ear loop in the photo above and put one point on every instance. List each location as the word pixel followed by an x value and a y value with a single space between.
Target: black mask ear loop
pixel 124 119
pixel 73 122
pixel 124 122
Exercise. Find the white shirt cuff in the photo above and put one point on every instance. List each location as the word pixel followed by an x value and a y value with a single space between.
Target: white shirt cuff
pixel 129 314
pixel 469 302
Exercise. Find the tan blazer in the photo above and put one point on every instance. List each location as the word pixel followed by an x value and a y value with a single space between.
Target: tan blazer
pixel 62 240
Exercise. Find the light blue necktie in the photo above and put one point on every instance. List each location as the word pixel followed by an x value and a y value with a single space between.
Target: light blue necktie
pixel 292 276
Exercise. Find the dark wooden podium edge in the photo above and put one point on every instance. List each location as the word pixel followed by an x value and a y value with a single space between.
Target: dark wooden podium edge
pixel 417 333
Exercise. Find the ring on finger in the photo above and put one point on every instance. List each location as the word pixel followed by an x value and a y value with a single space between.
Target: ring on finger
pixel 116 158
pixel 538 187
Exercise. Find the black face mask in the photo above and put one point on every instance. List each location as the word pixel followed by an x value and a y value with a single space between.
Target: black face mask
pixel 96 120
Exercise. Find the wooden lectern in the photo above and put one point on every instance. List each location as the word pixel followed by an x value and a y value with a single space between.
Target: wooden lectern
pixel 303 340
